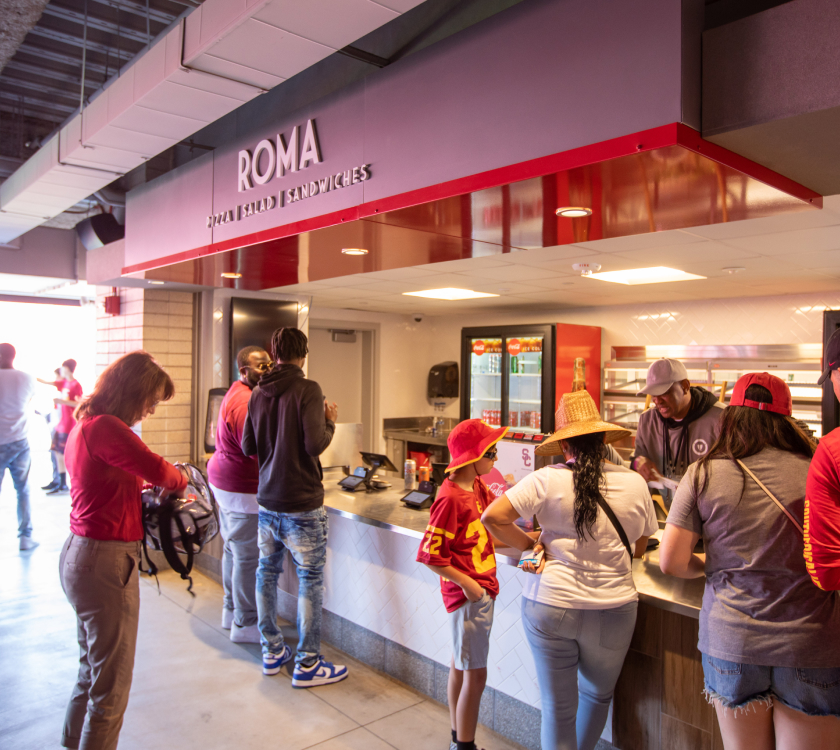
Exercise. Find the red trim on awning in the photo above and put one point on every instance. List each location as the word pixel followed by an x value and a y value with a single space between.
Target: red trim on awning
pixel 675 134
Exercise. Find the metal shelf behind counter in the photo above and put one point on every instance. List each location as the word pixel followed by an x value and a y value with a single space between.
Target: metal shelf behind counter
pixel 718 367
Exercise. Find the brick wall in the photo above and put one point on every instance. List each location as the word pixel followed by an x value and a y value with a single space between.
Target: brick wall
pixel 161 322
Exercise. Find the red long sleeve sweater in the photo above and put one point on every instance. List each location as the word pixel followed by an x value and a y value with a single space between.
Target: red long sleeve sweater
pixel 107 464
pixel 822 514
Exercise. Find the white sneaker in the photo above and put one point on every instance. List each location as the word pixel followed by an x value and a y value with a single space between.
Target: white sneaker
pixel 27 542
pixel 245 634
pixel 227 619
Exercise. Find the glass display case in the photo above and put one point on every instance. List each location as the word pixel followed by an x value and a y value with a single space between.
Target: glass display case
pixel 510 378
pixel 716 368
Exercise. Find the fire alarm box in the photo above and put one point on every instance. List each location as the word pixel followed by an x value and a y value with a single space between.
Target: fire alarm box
pixel 112 305
pixel 443 380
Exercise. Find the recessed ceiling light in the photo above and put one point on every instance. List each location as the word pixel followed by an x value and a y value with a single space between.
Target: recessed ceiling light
pixel 354 251
pixel 733 269
pixel 449 293
pixel 156 282
pixel 231 275
pixel 655 275
pixel 572 212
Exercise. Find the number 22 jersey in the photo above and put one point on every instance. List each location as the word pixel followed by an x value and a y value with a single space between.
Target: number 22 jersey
pixel 455 536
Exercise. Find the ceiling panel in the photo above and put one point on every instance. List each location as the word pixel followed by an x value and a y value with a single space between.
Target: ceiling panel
pixel 268 49
pixel 349 19
pixel 699 252
pixel 780 243
pixel 227 69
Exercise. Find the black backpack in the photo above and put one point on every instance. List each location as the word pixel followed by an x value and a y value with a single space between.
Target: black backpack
pixel 179 526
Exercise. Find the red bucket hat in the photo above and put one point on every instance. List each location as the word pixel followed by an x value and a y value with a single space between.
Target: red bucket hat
pixel 782 402
pixel 469 441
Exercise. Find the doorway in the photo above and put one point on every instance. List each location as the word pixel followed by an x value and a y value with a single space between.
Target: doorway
pixel 341 361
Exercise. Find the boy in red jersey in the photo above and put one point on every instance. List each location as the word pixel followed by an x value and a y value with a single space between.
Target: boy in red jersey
pixel 457 547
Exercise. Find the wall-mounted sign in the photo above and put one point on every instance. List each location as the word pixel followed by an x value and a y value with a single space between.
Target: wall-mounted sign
pixel 276 159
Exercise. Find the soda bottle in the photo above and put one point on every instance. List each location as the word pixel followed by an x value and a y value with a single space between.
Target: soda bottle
pixel 579 376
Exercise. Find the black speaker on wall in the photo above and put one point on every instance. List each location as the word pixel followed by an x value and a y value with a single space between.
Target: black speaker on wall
pixel 99 230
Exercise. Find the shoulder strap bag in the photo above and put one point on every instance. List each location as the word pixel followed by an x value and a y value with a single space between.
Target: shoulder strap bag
pixel 773 498
pixel 604 506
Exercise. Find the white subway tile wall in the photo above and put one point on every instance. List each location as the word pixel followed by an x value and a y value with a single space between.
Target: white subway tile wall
pixel 373 580
pixel 160 322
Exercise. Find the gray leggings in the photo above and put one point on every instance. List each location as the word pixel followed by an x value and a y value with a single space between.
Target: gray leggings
pixel 578 654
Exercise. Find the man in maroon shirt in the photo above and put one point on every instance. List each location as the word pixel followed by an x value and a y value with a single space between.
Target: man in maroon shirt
pixel 234 478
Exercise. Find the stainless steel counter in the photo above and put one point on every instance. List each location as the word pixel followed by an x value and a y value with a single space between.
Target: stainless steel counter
pixel 384 510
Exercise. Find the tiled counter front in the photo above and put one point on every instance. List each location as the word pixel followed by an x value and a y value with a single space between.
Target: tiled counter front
pixel 373 580
pixel 384 608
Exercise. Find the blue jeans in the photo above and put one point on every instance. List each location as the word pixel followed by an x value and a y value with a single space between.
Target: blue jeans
pixel 815 692
pixel 15 458
pixel 305 536
pixel 578 654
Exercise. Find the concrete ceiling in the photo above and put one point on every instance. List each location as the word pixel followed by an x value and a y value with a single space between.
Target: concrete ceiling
pixel 784 254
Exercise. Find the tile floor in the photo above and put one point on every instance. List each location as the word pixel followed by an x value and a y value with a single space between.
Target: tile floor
pixel 192 687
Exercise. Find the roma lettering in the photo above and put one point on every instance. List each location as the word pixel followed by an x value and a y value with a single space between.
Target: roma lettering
pixel 275 158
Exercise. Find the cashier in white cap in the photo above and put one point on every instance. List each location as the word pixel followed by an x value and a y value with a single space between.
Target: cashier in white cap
pixel 678 430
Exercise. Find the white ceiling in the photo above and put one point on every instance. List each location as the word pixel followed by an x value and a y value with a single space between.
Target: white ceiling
pixel 785 254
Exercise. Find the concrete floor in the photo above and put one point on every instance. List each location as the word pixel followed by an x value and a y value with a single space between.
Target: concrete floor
pixel 192 687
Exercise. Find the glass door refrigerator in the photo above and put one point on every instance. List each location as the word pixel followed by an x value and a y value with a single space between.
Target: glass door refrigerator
pixel 509 377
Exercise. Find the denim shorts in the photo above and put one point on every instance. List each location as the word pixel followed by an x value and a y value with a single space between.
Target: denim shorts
pixel 815 692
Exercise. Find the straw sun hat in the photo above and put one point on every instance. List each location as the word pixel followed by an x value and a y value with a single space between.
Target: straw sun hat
pixel 578 415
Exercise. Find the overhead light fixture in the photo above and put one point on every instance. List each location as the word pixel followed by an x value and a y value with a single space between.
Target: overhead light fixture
pixel 449 293
pixel 733 269
pixel 573 212
pixel 354 251
pixel 655 275
pixel 156 282
pixel 231 275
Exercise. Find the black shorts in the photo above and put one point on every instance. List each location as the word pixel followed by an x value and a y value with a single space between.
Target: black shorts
pixel 59 440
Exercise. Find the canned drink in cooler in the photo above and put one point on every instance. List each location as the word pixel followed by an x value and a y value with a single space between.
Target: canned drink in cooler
pixel 536 420
pixel 513 418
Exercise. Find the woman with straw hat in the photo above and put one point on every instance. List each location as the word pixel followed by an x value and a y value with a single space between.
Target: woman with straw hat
pixel 580 611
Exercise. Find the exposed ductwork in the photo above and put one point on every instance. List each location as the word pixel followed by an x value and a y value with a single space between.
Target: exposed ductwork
pixel 219 57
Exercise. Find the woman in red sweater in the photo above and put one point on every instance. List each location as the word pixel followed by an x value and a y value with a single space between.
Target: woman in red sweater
pixel 99 563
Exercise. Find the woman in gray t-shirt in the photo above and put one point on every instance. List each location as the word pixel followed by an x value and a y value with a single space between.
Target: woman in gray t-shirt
pixel 770 639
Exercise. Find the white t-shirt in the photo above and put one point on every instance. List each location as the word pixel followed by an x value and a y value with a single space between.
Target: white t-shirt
pixel 594 573
pixel 236 502
pixel 16 391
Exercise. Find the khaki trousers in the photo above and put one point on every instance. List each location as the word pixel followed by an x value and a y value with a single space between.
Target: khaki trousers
pixel 101 581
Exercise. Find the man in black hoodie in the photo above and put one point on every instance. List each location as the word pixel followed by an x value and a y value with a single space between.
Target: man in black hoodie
pixel 289 425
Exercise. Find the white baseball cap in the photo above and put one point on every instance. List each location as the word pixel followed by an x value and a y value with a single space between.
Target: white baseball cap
pixel 662 374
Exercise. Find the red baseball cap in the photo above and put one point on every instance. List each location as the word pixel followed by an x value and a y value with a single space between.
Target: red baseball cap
pixel 469 441
pixel 782 402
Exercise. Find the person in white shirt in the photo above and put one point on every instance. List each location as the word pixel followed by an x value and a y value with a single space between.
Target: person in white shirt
pixel 16 391
pixel 579 612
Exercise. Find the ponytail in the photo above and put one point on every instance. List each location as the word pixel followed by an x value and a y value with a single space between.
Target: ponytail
pixel 588 477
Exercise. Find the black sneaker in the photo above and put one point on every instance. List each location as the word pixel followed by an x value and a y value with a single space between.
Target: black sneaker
pixel 59 490
pixel 51 486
